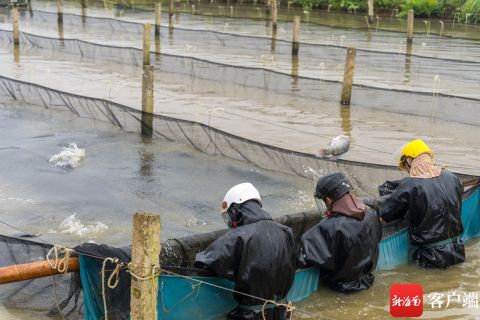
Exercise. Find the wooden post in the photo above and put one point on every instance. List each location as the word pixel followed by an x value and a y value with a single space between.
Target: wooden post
pixel 146 44
pixel 274 17
pixel 370 11
pixel 84 10
pixel 170 9
pixel 294 72
pixel 147 101
pixel 60 11
pixel 274 40
pixel 16 54
pixel 408 62
pixel 158 18
pixel 16 31
pixel 60 31
pixel 29 7
pixel 410 21
pixel 348 76
pixel 296 35
pixel 268 9
pixel 145 261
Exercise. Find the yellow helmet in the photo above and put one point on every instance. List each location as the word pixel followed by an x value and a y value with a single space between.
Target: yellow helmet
pixel 413 149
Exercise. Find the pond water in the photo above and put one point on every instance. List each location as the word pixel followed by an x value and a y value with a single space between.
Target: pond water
pixel 124 173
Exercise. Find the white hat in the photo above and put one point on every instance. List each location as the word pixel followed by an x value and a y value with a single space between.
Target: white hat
pixel 239 194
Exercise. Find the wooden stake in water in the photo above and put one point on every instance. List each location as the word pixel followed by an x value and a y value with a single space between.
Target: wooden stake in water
pixel 84 10
pixel 274 17
pixel 296 35
pixel 348 76
pixel 146 44
pixel 158 18
pixel 370 11
pixel 60 11
pixel 410 21
pixel 16 30
pixel 295 72
pixel 145 262
pixel 170 9
pixel 147 101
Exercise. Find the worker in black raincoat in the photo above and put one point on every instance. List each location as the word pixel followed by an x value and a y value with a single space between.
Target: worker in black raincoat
pixel 344 245
pixel 257 253
pixel 431 199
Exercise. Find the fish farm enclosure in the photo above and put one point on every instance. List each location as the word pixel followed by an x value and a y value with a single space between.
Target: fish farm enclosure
pixel 112 108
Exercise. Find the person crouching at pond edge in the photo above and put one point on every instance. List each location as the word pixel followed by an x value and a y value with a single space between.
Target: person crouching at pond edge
pixel 344 245
pixel 431 199
pixel 257 253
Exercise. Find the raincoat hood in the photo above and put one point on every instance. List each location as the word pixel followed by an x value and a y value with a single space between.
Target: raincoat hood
pixel 251 212
pixel 349 205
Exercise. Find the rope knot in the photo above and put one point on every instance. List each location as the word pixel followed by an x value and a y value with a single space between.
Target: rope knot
pixel 61 258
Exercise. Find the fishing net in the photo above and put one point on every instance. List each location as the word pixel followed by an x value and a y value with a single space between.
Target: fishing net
pixel 179 253
pixel 39 296
pixel 374 86
pixel 175 292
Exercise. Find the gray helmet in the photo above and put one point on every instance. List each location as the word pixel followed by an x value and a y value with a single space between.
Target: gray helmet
pixel 332 185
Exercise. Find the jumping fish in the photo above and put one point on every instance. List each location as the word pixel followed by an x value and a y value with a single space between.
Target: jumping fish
pixel 339 145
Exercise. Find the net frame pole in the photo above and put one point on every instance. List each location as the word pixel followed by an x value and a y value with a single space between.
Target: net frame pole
pixel 158 18
pixel 410 21
pixel 146 44
pixel 15 25
pixel 348 76
pixel 60 11
pixel 370 10
pixel 296 35
pixel 145 263
pixel 147 101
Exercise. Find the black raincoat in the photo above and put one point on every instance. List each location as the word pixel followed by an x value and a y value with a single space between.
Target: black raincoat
pixel 433 208
pixel 259 255
pixel 344 246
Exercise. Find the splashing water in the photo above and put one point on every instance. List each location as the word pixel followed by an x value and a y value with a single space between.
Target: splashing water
pixel 69 157
pixel 194 221
pixel 73 225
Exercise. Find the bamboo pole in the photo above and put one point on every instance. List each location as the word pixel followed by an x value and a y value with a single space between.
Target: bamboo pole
pixel 16 30
pixel 145 261
pixel 33 270
pixel 296 35
pixel 146 44
pixel 370 11
pixel 410 21
pixel 60 11
pixel 147 101
pixel 348 76
pixel 158 18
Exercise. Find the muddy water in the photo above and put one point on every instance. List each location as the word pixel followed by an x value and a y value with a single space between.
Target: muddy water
pixel 122 174
pixel 269 117
pixel 424 44
pixel 257 12
pixel 397 69
pixel 374 303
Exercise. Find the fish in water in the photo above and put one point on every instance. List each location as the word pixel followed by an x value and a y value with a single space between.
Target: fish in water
pixel 339 145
